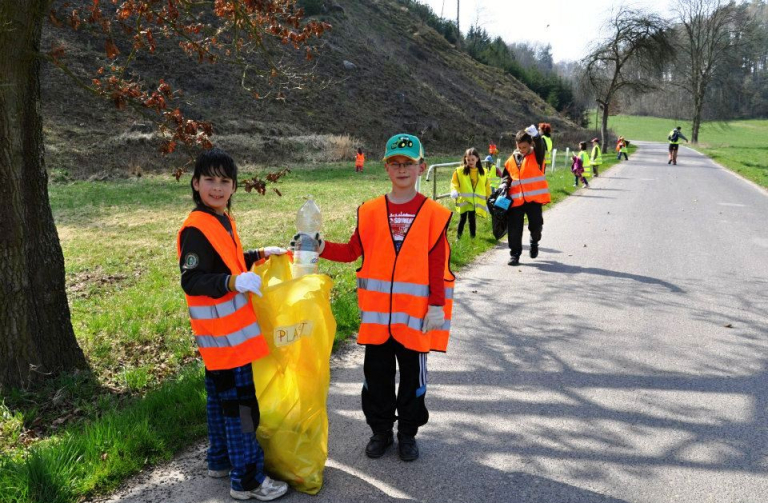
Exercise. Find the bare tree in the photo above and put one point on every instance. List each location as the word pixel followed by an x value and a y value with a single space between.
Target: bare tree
pixel 631 58
pixel 708 38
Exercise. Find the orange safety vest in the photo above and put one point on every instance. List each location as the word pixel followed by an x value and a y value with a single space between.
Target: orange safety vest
pixel 359 160
pixel 393 286
pixel 226 330
pixel 528 185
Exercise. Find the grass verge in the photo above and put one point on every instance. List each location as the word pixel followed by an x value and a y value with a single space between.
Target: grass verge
pixel 741 146
pixel 144 399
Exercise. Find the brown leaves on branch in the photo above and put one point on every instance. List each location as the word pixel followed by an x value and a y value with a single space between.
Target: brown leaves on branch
pixel 238 34
pixel 260 184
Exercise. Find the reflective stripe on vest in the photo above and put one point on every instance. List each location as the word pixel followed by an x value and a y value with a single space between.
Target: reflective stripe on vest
pixel 597 156
pixel 528 183
pixel 226 329
pixel 393 286
pixel 548 153
pixel 471 198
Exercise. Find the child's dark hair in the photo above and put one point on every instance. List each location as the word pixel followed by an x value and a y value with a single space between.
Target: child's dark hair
pixel 479 165
pixel 522 137
pixel 213 162
pixel 359 150
pixel 583 145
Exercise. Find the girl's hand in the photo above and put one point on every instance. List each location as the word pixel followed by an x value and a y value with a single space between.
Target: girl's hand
pixel 248 282
pixel 273 250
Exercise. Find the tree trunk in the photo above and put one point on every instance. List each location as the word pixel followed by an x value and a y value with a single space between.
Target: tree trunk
pixel 36 335
pixel 604 125
pixel 698 105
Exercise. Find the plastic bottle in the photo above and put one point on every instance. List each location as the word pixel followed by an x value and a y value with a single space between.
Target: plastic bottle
pixel 309 221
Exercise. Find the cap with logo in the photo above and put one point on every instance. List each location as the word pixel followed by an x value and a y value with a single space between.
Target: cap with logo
pixel 406 145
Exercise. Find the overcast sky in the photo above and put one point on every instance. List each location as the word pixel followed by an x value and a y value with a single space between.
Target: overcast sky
pixel 568 25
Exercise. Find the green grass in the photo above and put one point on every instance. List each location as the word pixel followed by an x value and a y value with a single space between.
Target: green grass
pixel 741 146
pixel 143 399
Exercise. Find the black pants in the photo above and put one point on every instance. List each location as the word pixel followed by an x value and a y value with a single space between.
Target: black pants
pixel 618 157
pixel 379 399
pixel 516 222
pixel 472 224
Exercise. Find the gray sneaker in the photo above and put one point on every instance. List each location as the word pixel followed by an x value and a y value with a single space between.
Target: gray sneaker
pixel 218 474
pixel 268 490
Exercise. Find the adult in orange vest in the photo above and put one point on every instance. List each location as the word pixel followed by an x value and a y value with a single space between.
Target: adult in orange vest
pixel 405 296
pixel 528 190
pixel 216 283
pixel 359 160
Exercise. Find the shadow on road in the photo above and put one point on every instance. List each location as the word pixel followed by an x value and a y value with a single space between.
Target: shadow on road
pixel 559 267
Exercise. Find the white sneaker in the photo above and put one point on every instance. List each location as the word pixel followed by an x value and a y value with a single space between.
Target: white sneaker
pixel 268 490
pixel 218 474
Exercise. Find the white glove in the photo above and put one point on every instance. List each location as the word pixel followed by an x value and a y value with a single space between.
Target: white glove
pixel 454 194
pixel 434 319
pixel 248 282
pixel 273 250
pixel 532 130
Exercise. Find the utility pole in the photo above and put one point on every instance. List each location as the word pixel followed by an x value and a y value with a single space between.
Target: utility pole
pixel 458 26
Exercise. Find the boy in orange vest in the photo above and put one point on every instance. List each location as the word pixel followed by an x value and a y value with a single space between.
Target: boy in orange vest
pixel 405 296
pixel 217 284
pixel 527 187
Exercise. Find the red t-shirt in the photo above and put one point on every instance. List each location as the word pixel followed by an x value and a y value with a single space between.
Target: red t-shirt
pixel 400 219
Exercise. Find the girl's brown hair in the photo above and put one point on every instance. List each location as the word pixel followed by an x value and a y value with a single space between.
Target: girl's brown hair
pixel 473 151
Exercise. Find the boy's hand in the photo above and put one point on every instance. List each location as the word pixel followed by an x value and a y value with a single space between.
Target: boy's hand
pixel 434 319
pixel 248 282
pixel 454 194
pixel 273 250
pixel 532 130
pixel 299 236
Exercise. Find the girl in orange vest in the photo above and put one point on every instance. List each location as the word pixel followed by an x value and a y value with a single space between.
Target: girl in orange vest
pixel 359 160
pixel 528 190
pixel 405 296
pixel 217 284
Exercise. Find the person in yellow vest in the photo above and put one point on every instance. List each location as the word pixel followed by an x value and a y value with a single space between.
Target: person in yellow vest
pixel 217 285
pixel 470 188
pixel 405 296
pixel 527 187
pixel 621 149
pixel 596 158
pixel 359 160
pixel 545 130
pixel 493 172
pixel 674 144
pixel 581 165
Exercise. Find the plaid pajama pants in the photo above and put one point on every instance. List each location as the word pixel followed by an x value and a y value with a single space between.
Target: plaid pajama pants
pixel 233 417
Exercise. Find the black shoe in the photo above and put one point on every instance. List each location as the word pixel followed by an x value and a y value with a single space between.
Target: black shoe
pixel 378 444
pixel 534 251
pixel 669 161
pixel 407 447
pixel 514 260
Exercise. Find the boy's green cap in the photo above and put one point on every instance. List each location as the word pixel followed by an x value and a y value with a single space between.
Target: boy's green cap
pixel 406 145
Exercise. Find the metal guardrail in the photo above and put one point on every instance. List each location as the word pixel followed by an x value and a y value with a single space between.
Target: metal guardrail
pixel 432 172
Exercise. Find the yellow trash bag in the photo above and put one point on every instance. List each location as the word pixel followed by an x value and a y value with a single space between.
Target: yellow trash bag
pixel 292 381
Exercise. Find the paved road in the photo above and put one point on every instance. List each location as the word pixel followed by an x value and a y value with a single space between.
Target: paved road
pixel 628 363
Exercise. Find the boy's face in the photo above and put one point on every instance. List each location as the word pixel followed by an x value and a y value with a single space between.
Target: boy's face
pixel 524 147
pixel 215 191
pixel 403 171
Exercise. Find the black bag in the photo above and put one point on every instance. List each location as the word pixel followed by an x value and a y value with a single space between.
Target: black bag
pixel 674 136
pixel 498 215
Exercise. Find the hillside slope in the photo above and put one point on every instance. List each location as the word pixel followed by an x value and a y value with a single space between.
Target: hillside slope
pixel 408 78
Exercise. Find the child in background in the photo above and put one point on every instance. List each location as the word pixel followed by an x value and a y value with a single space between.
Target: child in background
pixel 596 158
pixel 621 149
pixel 405 292
pixel 359 160
pixel 217 284
pixel 527 187
pixel 470 187
pixel 545 129
pixel 577 168
pixel 493 172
